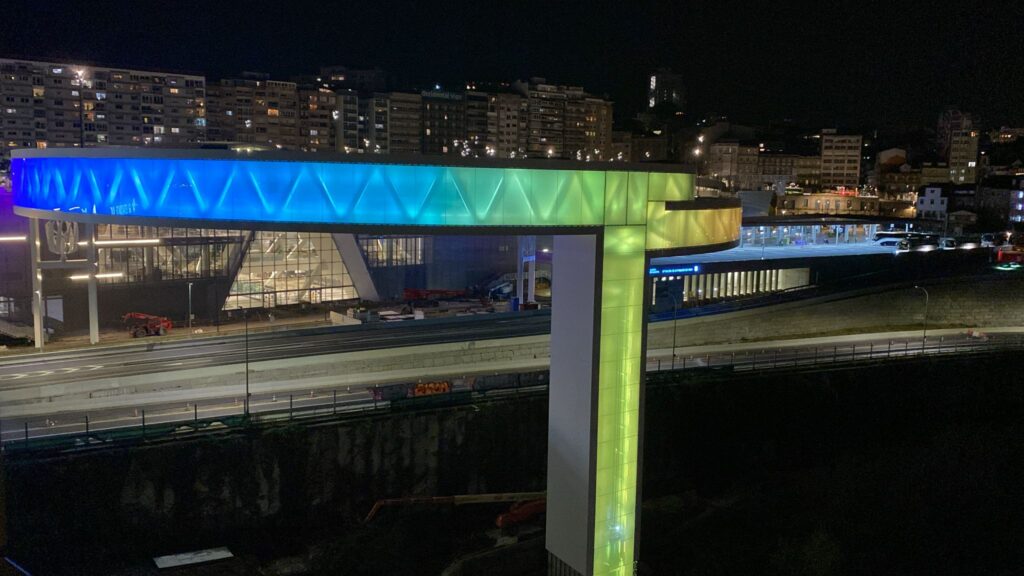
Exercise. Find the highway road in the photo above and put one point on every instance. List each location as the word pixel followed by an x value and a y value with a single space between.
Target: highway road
pixel 810 353
pixel 156 356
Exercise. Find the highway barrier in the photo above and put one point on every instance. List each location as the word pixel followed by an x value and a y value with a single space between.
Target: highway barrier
pixel 74 432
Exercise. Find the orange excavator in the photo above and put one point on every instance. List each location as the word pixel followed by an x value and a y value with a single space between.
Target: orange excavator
pixel 139 324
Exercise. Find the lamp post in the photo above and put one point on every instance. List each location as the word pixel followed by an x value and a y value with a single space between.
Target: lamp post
pixel 190 309
pixel 924 332
pixel 245 315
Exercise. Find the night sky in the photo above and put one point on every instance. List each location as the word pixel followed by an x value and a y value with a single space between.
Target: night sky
pixel 852 64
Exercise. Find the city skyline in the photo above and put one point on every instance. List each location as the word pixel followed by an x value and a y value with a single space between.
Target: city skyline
pixel 821 65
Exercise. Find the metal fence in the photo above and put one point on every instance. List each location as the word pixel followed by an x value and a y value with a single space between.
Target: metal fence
pixel 811 356
pixel 85 430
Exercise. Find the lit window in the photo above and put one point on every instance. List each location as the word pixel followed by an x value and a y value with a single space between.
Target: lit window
pixel 175 130
pixel 273 112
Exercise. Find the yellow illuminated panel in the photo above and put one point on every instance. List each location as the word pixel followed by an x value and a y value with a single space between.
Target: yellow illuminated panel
pixel 618 412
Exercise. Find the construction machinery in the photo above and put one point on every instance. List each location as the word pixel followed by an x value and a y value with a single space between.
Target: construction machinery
pixel 140 324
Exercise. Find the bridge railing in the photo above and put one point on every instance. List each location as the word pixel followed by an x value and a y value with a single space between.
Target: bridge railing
pixel 769 358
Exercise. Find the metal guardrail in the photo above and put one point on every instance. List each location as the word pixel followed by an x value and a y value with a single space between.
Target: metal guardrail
pixel 823 356
pixel 42 434
pixel 77 432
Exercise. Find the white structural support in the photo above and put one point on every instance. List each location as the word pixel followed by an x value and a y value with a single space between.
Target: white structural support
pixel 572 404
pixel 38 332
pixel 354 262
pixel 94 268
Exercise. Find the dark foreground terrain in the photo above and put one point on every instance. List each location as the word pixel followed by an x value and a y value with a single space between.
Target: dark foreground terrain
pixel 909 469
pixel 898 469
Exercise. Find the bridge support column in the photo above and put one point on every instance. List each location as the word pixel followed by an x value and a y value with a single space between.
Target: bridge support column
pixel 38 330
pixel 594 421
pixel 94 268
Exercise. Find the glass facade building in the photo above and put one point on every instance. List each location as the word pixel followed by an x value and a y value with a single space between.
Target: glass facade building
pixel 282 268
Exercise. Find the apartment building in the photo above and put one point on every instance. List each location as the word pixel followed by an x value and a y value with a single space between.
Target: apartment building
pixel 840 160
pixel 54 104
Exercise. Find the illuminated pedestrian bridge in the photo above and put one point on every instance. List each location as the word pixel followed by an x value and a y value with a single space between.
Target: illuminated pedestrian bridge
pixel 608 221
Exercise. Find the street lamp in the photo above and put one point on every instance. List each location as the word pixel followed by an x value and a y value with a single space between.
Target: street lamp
pixel 245 315
pixel 190 309
pixel 924 332
pixel 675 324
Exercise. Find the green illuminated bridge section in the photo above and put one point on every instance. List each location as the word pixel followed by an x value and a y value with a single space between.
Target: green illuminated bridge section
pixel 633 213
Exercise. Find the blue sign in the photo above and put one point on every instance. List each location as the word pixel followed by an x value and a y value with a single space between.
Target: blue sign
pixel 674 270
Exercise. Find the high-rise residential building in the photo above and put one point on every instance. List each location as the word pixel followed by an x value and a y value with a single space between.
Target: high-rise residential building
pixel 963 156
pixel 317 108
pixel 346 121
pixel 51 104
pixel 405 121
pixel 557 120
pixel 840 160
pixel 255 110
pixel 546 118
pixel 362 80
pixel 574 139
pixel 665 86
pixel 374 137
pixel 444 122
pixel 597 129
pixel 951 120
pixel 480 119
pixel 509 124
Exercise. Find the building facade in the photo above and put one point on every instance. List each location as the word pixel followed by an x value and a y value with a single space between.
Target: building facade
pixel 508 125
pixel 444 122
pixel 64 105
pixel 963 156
pixel 735 162
pixel 255 110
pixel 665 86
pixel 405 118
pixel 840 160
pixel 317 108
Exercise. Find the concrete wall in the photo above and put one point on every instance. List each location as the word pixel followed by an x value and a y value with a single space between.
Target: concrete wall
pixel 236 487
pixel 971 302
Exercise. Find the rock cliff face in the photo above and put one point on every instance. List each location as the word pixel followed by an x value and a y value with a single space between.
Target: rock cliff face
pixel 275 482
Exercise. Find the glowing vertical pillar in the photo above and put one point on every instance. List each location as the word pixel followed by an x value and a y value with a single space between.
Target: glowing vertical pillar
pixel 594 431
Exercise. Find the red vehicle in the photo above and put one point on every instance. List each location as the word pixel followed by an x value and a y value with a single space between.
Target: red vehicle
pixel 521 512
pixel 140 324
